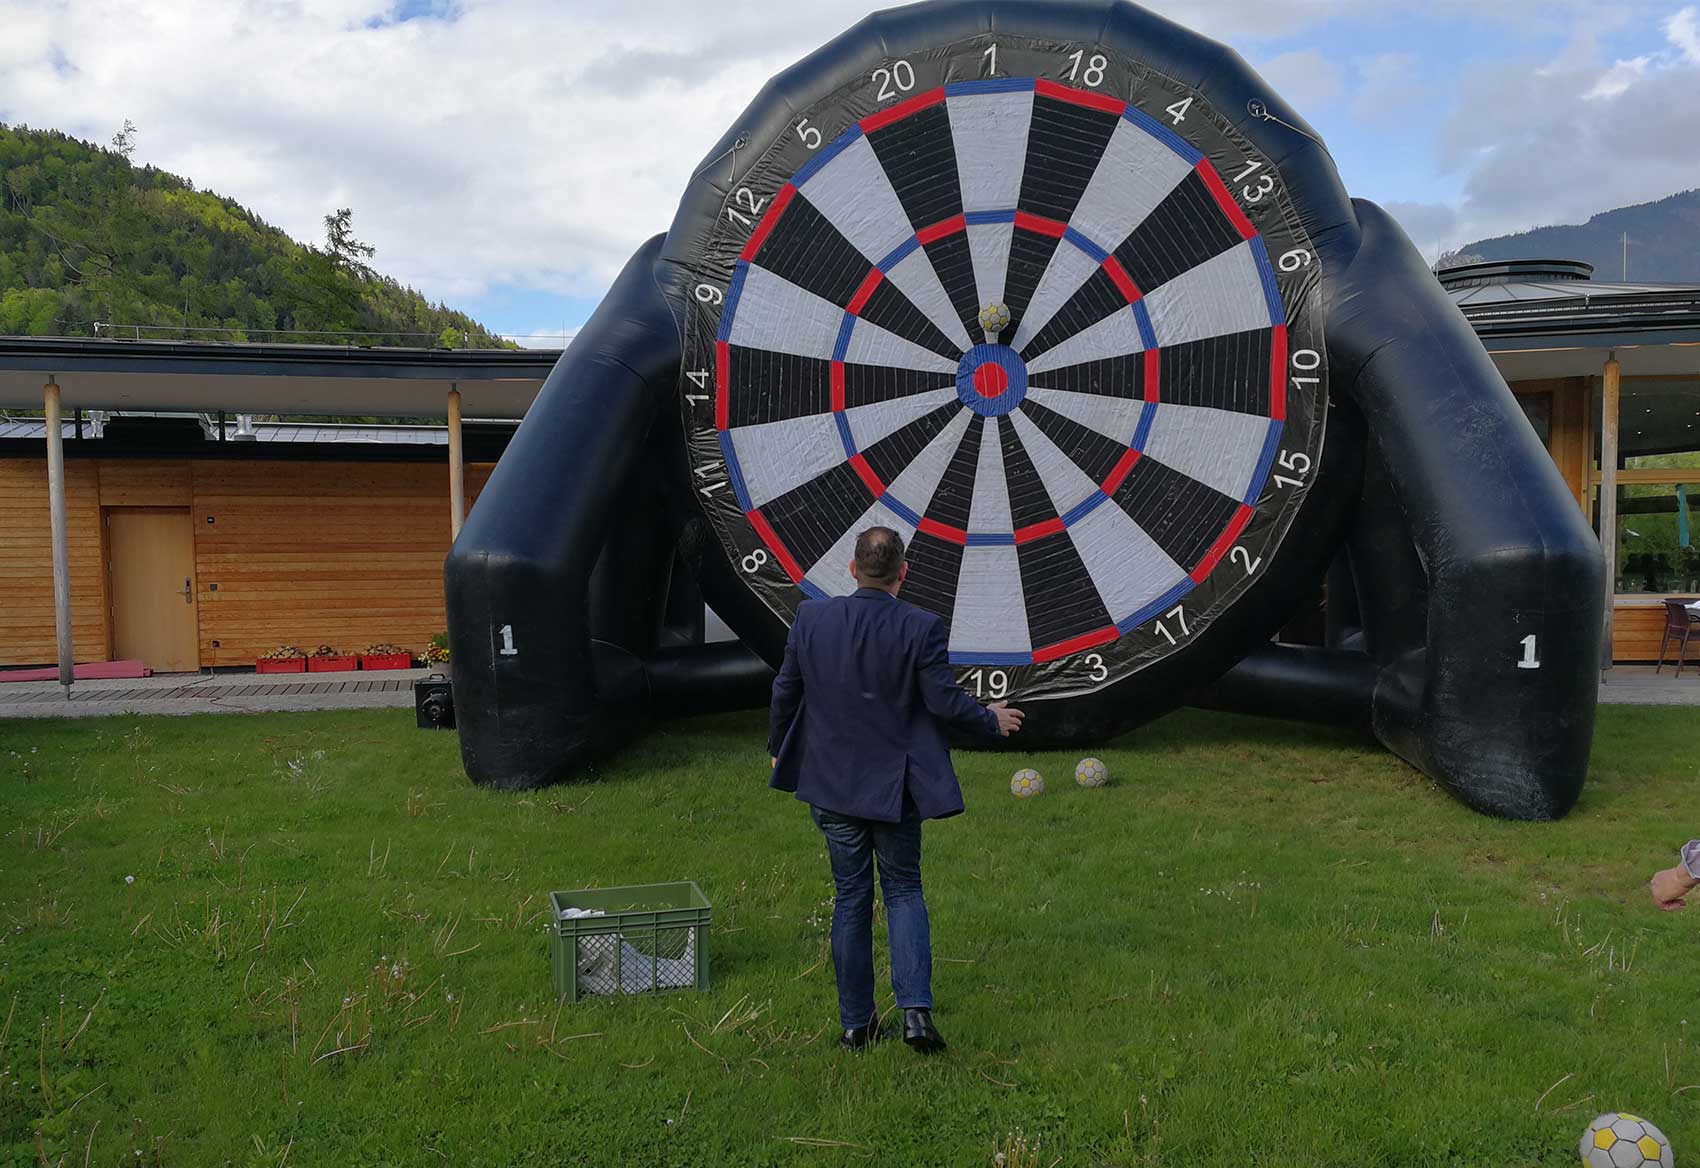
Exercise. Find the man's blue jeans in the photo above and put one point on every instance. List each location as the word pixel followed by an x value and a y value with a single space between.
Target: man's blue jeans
pixel 853 845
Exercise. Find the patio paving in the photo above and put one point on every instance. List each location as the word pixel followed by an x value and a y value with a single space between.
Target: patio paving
pixel 247 693
pixel 1638 685
pixel 197 693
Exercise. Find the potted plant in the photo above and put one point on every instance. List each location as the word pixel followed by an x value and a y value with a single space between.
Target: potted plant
pixel 283 659
pixel 328 660
pixel 437 652
pixel 385 657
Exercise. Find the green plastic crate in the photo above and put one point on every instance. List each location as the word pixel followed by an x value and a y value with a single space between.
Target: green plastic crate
pixel 651 938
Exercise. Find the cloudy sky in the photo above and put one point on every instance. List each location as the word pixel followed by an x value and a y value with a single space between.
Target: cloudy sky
pixel 507 155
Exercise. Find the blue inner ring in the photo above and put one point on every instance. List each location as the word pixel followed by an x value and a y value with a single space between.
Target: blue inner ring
pixel 1014 368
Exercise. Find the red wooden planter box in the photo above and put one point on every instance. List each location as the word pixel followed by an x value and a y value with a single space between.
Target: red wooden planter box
pixel 282 665
pixel 332 664
pixel 388 661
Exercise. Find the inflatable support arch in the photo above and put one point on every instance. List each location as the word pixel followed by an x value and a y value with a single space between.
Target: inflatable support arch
pixel 1065 294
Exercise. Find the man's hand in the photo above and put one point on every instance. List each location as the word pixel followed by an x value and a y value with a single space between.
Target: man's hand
pixel 1009 720
pixel 1670 886
pixel 774 764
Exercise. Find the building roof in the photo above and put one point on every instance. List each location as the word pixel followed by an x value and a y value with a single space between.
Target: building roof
pixel 269 379
pixel 1548 318
pixel 35 429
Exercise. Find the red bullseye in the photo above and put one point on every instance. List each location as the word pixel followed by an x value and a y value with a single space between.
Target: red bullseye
pixel 990 379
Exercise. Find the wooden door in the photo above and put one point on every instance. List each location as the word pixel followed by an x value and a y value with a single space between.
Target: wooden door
pixel 151 557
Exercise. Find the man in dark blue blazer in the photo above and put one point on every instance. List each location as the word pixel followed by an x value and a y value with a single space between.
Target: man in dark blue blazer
pixel 857 730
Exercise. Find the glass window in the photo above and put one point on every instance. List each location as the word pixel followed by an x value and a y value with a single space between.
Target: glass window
pixel 1658 526
pixel 1658 426
pixel 1537 407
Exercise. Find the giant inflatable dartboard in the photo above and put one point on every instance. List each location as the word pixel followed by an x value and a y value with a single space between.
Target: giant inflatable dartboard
pixel 1042 284
pixel 1039 310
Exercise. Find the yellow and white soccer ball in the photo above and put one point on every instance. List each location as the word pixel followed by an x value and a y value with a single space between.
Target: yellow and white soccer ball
pixel 1620 1140
pixel 1026 783
pixel 994 318
pixel 1091 772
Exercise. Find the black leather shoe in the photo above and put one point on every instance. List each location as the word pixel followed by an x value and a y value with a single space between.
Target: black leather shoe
pixel 920 1033
pixel 861 1037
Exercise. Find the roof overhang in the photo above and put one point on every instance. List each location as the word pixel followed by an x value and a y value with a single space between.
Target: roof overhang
pixel 1639 354
pixel 270 379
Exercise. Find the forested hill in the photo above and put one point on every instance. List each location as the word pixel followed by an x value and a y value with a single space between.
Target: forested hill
pixel 86 236
pixel 1664 242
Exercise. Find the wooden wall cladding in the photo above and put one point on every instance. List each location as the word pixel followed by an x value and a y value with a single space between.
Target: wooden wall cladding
pixel 312 553
pixel 26 563
pixel 303 553
pixel 1636 631
pixel 146 484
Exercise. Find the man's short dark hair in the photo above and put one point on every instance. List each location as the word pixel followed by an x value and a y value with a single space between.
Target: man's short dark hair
pixel 879 556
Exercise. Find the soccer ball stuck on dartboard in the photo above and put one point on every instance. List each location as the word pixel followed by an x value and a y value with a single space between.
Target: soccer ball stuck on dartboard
pixel 1091 772
pixel 1620 1140
pixel 1026 783
pixel 994 318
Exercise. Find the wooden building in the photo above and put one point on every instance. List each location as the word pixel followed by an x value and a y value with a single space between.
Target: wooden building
pixel 196 540
pixel 1609 376
pixel 200 558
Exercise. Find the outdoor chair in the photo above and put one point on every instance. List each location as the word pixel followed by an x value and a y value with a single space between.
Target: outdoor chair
pixel 1680 622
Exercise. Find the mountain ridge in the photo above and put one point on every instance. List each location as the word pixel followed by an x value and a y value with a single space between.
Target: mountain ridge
pixel 89 238
pixel 1664 242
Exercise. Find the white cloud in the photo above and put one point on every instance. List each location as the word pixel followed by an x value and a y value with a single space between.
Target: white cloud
pixel 1559 142
pixel 534 143
pixel 1683 31
pixel 1616 81
pixel 1431 226
pixel 530 143
pixel 1307 79
pixel 1387 83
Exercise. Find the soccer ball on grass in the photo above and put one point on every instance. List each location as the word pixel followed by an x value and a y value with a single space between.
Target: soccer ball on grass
pixel 1620 1140
pixel 1091 772
pixel 1026 783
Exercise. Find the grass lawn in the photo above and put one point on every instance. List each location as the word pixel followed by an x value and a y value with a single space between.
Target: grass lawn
pixel 1264 944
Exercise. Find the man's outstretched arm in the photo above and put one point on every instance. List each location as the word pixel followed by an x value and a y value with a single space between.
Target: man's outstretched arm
pixel 1671 885
pixel 949 702
pixel 787 695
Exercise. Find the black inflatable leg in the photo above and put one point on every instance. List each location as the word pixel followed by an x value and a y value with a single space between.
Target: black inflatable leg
pixel 534 698
pixel 1305 682
pixel 1489 661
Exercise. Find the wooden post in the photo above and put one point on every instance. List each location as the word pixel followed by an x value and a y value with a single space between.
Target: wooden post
pixel 61 546
pixel 1608 493
pixel 457 467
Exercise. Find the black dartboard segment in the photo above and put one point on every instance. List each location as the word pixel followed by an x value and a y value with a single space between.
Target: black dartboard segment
pixel 1047 315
